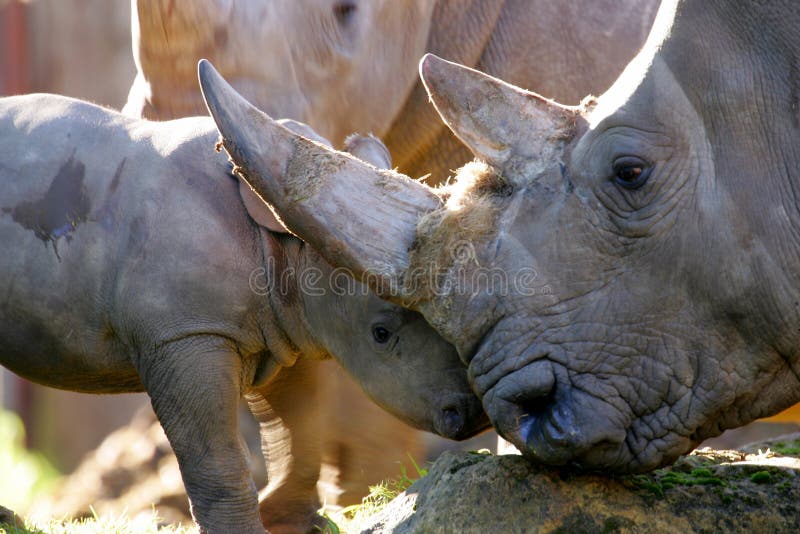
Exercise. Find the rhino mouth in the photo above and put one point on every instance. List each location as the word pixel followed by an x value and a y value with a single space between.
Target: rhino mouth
pixel 539 406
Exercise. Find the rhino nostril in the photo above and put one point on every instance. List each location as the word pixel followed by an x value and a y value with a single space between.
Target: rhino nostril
pixel 452 422
pixel 532 409
pixel 538 405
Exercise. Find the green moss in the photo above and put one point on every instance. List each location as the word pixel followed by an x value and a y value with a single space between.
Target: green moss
pixel 697 477
pixel 663 480
pixel 786 449
pixel 647 483
pixel 761 477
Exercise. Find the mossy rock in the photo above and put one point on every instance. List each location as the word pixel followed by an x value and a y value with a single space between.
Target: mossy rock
pixel 753 490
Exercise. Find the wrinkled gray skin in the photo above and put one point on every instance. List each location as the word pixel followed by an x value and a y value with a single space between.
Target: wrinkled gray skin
pixel 671 306
pixel 136 267
pixel 347 66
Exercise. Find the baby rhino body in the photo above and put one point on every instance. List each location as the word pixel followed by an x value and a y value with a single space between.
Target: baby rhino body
pixel 131 263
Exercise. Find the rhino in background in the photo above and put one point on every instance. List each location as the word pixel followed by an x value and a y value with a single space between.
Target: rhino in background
pixel 345 66
pixel 659 219
pixel 141 265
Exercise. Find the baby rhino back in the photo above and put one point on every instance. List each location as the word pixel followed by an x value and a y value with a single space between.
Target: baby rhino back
pixel 97 208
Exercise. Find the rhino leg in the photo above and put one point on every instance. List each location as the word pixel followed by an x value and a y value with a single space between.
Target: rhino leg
pixel 195 385
pixel 290 440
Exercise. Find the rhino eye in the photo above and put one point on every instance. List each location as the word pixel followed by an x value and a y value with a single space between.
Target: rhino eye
pixel 631 172
pixel 344 12
pixel 381 335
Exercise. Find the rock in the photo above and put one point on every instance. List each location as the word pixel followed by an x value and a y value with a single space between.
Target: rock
pixel 7 517
pixel 753 490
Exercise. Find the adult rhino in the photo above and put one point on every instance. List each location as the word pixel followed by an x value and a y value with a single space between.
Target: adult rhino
pixel 140 264
pixel 347 66
pixel 662 219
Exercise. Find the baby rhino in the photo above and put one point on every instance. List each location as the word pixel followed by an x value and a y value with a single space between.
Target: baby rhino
pixel 134 261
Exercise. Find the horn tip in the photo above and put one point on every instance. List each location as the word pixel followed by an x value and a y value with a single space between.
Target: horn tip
pixel 428 66
pixel 205 73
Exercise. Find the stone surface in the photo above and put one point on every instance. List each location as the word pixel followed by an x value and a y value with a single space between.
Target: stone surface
pixel 753 490
pixel 8 517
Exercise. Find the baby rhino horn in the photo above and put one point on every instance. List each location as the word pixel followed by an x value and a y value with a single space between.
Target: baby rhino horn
pixel 357 216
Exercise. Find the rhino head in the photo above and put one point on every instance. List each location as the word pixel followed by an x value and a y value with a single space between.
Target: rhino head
pixel 619 277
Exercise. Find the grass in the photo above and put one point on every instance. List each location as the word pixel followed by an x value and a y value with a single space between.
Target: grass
pixel 344 520
pixel 350 518
pixel 100 525
pixel 791 448
pixel 24 474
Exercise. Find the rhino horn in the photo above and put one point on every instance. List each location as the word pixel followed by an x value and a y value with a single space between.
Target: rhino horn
pixel 356 216
pixel 501 124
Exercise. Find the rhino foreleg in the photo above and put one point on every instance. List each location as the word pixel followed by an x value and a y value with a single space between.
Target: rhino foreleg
pixel 194 385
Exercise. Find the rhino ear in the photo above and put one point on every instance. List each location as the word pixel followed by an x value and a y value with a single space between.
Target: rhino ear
pixel 259 210
pixel 370 149
pixel 168 38
pixel 356 216
pixel 501 124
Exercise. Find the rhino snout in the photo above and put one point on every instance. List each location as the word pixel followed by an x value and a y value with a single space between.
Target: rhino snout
pixel 538 410
pixel 450 422
pixel 460 418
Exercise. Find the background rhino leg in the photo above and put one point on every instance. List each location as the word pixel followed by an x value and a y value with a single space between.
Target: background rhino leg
pixel 195 385
pixel 361 443
pixel 287 410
